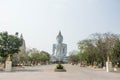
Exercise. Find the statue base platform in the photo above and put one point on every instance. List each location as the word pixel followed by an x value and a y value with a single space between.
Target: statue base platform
pixel 55 60
pixel 60 70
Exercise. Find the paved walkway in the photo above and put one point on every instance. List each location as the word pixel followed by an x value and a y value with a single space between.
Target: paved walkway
pixel 47 73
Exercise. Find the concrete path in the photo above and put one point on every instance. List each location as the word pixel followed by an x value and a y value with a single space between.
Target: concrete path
pixel 47 73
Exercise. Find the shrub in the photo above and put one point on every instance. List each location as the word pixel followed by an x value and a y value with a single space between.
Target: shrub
pixel 59 66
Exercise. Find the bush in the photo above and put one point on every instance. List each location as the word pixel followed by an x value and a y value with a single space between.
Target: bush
pixel 59 66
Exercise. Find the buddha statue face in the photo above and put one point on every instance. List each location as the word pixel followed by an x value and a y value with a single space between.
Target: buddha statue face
pixel 59 38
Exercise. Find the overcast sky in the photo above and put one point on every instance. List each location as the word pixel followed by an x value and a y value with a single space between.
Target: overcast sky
pixel 40 20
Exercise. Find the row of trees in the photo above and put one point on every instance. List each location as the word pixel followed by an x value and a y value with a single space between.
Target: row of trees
pixel 10 46
pixel 34 57
pixel 99 48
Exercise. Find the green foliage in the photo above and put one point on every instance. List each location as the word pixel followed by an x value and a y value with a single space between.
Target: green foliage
pixel 32 56
pixel 98 47
pixel 59 66
pixel 115 55
pixel 9 44
pixel 40 57
pixel 0 59
pixel 44 56
pixel 87 51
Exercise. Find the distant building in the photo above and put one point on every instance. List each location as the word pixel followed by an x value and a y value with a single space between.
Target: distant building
pixel 23 47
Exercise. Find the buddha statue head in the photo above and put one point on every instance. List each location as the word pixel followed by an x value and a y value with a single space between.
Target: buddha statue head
pixel 59 38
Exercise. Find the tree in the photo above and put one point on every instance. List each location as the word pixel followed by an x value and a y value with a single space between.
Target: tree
pixel 115 56
pixel 45 56
pixel 98 47
pixel 105 43
pixel 73 59
pixel 9 44
pixel 0 59
pixel 87 51
pixel 40 57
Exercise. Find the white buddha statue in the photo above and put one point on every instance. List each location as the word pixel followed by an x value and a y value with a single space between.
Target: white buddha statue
pixel 59 49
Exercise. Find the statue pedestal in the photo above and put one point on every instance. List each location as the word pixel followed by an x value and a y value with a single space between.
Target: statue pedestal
pixel 8 66
pixel 108 66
